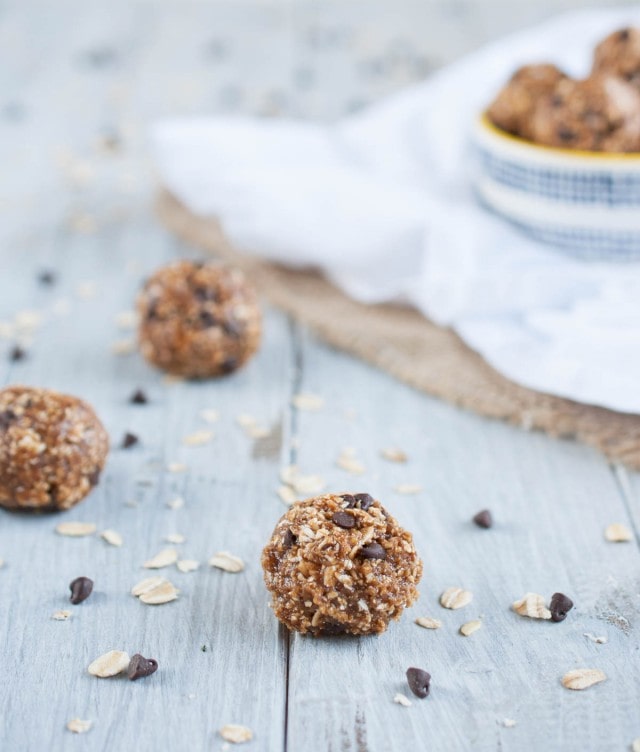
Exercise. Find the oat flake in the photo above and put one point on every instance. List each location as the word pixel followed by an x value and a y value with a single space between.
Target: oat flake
pixel 209 415
pixel 533 606
pixel 76 529
pixel 428 623
pixel 199 438
pixel 110 664
pixel 394 455
pixel 287 494
pixel 176 503
pixel 618 533
pixel 78 726
pixel 175 538
pixel 310 402
pixel 236 734
pixel 123 347
pixel 583 678
pixel 598 639
pixel 176 467
pixel 470 627
pixel 165 558
pixel 455 598
pixel 63 615
pixel 112 537
pixel 403 700
pixel 226 561
pixel 408 488
pixel 187 565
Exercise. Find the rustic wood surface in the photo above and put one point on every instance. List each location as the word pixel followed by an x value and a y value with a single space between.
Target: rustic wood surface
pixel 78 86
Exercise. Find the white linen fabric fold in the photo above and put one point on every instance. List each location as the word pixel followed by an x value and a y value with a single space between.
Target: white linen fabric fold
pixel 381 202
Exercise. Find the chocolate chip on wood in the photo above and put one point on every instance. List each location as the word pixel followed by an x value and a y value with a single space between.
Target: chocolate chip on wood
pixel 81 588
pixel 419 681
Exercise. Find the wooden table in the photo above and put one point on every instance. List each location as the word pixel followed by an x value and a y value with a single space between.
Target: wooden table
pixel 78 88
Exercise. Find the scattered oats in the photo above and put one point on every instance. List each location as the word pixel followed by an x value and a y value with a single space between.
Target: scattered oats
pixel 618 533
pixel 112 537
pixel 228 562
pixel 408 488
pixel 177 467
pixel 346 461
pixel 470 627
pixel 302 484
pixel 155 590
pixel 455 597
pixel 176 503
pixel 175 538
pixel 110 664
pixel 598 639
pixel 78 726
pixel 244 420
pixel 165 558
pixel 209 415
pixel 533 606
pixel 402 700
pixel 311 402
pixel 199 438
pixel 63 615
pixel 583 678
pixel 123 347
pixel 86 290
pixel 287 494
pixel 187 565
pixel 76 529
pixel 428 623
pixel 508 723
pixel 394 455
pixel 127 320
pixel 28 320
pixel 257 432
pixel 635 745
pixel 236 734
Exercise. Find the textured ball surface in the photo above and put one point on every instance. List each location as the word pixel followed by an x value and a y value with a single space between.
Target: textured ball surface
pixel 340 564
pixel 52 449
pixel 198 320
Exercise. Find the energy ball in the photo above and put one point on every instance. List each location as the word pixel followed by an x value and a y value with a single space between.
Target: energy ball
pixel 198 320
pixel 600 113
pixel 511 110
pixel 619 55
pixel 340 563
pixel 52 449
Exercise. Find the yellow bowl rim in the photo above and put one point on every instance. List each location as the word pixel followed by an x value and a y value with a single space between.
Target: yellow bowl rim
pixel 599 156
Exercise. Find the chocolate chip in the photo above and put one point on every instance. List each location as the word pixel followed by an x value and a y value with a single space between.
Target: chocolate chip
pixel 152 311
pixel 6 419
pixel 233 328
pixel 207 319
pixel 139 398
pixel 229 365
pixel 205 293
pixel 358 501
pixel 373 551
pixel 17 353
pixel 624 34
pixel 483 519
pixel 556 100
pixel 289 539
pixel 94 477
pixel 81 589
pixel 129 440
pixel 344 520
pixel 139 667
pixel 332 628
pixel 560 606
pixel 47 277
pixel 566 134
pixel 419 681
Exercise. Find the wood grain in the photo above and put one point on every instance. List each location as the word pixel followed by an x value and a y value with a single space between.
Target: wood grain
pixel 74 74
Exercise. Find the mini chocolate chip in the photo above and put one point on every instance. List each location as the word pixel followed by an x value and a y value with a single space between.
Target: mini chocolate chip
pixel 624 34
pixel 17 353
pixel 560 606
pixel 94 477
pixel 556 100
pixel 483 519
pixel 344 520
pixel 81 589
pixel 363 501
pixel 207 319
pixel 47 277
pixel 139 667
pixel 6 419
pixel 152 311
pixel 332 628
pixel 205 293
pixel 139 398
pixel 419 681
pixel 229 365
pixel 566 134
pixel 289 539
pixel 129 440
pixel 350 499
pixel 373 551
pixel 233 328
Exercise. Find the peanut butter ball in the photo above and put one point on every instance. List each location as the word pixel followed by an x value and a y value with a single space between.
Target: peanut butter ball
pixel 340 563
pixel 198 320
pixel 52 449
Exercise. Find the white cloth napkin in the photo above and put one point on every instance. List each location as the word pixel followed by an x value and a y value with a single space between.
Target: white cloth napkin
pixel 381 202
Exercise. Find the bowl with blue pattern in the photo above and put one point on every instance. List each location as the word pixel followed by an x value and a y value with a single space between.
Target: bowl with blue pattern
pixel 586 204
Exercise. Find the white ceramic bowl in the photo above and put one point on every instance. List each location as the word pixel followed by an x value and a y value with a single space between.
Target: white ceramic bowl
pixel 584 203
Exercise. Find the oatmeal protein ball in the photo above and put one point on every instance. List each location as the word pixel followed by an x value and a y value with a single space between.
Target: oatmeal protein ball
pixel 619 55
pixel 600 113
pixel 198 320
pixel 52 449
pixel 512 109
pixel 340 564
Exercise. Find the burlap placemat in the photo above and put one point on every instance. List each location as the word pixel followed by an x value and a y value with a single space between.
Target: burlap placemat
pixel 411 348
